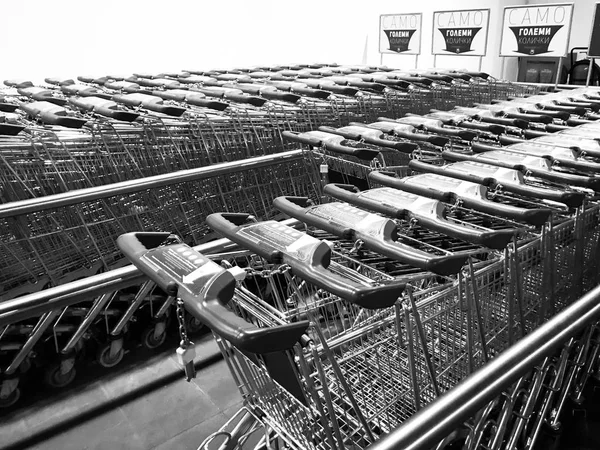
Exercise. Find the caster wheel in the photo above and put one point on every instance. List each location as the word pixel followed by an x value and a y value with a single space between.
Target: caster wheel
pixel 106 360
pixel 193 325
pixel 151 341
pixel 55 378
pixel 25 366
pixel 12 398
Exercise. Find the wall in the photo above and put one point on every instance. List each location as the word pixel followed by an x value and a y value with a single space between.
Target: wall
pixel 41 38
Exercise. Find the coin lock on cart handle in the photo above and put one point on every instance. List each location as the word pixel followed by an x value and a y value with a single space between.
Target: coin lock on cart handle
pixel 205 289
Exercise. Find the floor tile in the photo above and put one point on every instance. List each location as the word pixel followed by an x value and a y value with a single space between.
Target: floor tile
pixel 217 381
pixel 169 411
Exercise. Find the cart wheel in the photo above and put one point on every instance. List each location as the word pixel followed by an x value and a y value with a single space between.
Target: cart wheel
pixel 193 325
pixel 55 378
pixel 25 366
pixel 13 398
pixel 106 360
pixel 151 341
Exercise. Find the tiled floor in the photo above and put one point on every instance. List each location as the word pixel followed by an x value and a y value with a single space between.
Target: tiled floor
pixel 147 405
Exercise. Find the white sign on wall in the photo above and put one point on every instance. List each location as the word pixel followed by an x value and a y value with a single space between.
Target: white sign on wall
pixel 400 33
pixel 462 32
pixel 536 30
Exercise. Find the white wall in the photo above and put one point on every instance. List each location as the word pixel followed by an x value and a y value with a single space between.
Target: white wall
pixel 41 38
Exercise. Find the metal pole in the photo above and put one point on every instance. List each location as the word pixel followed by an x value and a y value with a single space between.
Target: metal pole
pixel 502 68
pixel 589 75
pixel 445 414
pixel 558 70
pixel 434 60
pixel 381 59
pixel 417 61
pixel 480 63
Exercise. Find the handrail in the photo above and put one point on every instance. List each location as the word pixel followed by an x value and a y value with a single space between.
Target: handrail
pixel 437 420
pixel 126 187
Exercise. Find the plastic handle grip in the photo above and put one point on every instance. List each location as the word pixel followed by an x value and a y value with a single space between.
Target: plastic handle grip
pixel 576 122
pixel 488 128
pixel 519 123
pixel 213 288
pixel 530 117
pixel 508 140
pixel 281 96
pixel 312 266
pixel 578 111
pixel 579 104
pixel 532 134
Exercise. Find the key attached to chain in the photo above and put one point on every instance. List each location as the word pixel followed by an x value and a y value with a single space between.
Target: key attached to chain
pixel 186 352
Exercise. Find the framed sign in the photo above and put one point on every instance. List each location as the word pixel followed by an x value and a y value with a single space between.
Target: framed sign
pixel 400 33
pixel 541 30
pixel 462 32
pixel 594 48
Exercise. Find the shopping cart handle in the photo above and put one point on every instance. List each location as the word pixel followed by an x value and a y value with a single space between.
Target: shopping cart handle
pixel 579 104
pixel 51 114
pixel 441 78
pixel 375 232
pixel 488 128
pixel 430 214
pixel 205 289
pixel 553 128
pixel 308 257
pixel 331 142
pixel 103 107
pixel 84 91
pixel 414 80
pixel 234 95
pixel 19 84
pixel 42 95
pixel 530 117
pixel 483 75
pixel 124 86
pixel 7 107
pixel 577 122
pixel 578 111
pixel 518 123
pixel 509 140
pixel 471 195
pixel 370 136
pixel 532 134
pixel 534 165
pixel 268 92
pixel 149 102
pixel 10 129
pixel 191 98
pixel 330 86
pixel 297 207
pixel 510 180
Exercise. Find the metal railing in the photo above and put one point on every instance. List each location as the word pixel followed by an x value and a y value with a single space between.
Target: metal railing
pixel 429 426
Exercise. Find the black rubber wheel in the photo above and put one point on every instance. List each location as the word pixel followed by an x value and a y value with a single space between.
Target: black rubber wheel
pixel 11 399
pixel 151 341
pixel 106 360
pixel 54 378
pixel 193 325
